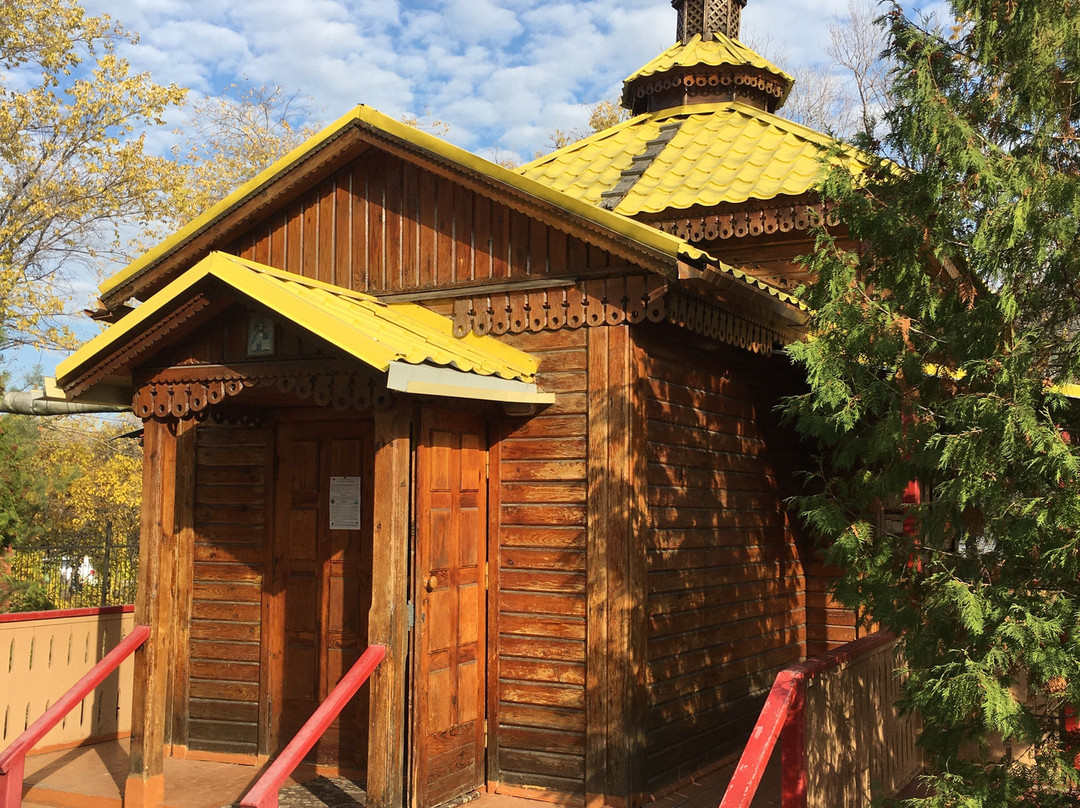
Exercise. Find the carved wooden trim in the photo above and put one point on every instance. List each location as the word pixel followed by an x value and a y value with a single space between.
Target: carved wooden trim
pixel 613 301
pixel 706 80
pixel 196 391
pixel 122 357
pixel 710 320
pixel 743 223
pixel 603 301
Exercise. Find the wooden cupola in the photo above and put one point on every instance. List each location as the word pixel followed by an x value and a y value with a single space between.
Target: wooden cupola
pixel 707 17
pixel 707 65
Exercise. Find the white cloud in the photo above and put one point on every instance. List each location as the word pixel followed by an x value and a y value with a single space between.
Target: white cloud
pixel 500 72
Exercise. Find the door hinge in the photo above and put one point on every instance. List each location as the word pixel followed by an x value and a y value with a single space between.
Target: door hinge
pixel 487 565
pixel 410 615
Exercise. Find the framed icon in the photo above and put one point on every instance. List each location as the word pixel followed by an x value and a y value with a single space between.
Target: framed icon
pixel 260 336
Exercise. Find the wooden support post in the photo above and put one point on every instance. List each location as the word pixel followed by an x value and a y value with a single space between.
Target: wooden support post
pixel 184 527
pixel 596 566
pixel 154 607
pixel 388 618
pixel 615 572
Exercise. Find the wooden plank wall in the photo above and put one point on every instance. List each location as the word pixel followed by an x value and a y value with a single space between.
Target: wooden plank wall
pixel 229 547
pixel 725 580
pixel 828 624
pixel 383 225
pixel 537 599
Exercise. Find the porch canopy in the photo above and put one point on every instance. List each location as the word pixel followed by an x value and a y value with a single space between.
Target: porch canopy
pixel 414 346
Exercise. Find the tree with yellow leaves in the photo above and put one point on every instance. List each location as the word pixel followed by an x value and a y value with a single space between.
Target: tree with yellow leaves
pixel 228 140
pixel 73 169
pixel 76 520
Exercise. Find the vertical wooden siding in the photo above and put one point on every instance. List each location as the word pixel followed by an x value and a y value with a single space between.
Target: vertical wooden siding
pixel 538 590
pixel 230 535
pixel 383 225
pixel 725 582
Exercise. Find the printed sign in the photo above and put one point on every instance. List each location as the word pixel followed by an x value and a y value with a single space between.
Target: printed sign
pixel 344 503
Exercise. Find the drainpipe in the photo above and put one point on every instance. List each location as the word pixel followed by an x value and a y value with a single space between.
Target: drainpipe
pixel 33 402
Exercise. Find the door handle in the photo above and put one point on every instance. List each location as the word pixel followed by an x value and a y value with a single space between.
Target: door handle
pixel 431 583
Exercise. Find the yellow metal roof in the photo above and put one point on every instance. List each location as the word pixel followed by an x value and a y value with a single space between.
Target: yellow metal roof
pixel 723 153
pixel 716 52
pixel 375 333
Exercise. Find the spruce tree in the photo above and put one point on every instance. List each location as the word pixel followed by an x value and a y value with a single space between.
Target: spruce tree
pixel 943 352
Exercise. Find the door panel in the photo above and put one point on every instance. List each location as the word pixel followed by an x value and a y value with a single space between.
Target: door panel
pixel 451 557
pixel 322 578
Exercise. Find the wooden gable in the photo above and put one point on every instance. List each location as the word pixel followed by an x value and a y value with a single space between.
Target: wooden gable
pixel 382 224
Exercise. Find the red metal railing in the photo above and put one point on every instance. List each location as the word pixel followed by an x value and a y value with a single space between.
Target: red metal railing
pixel 784 714
pixel 264 794
pixel 13 759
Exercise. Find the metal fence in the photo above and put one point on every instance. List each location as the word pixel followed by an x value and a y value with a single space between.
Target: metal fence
pixel 71 575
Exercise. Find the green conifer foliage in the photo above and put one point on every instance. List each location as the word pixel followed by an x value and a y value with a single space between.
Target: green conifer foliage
pixel 941 349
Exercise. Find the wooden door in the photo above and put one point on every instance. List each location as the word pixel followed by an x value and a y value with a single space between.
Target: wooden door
pixel 321 582
pixel 450 564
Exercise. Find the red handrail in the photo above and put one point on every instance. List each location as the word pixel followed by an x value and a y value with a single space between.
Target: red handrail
pixel 264 794
pixel 13 759
pixel 783 712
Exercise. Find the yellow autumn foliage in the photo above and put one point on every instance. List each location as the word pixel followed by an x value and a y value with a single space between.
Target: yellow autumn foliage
pixel 91 477
pixel 227 140
pixel 73 170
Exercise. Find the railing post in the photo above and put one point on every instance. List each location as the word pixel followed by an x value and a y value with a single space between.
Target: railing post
pixel 105 582
pixel 11 783
pixel 793 751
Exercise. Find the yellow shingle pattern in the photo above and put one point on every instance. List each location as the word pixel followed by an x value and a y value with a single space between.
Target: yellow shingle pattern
pixel 376 333
pixel 719 51
pixel 727 153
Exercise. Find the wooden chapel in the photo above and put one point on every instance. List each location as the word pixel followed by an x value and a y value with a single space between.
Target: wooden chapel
pixel 518 427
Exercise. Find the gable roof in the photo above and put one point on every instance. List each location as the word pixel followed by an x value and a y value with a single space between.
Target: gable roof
pixel 360 129
pixel 375 333
pixel 722 153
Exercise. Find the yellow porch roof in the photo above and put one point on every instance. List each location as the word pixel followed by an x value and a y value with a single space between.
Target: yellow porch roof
pixel 723 153
pixel 375 333
pixel 719 51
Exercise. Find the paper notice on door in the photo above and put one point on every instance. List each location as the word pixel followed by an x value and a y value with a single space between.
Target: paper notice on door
pixel 344 503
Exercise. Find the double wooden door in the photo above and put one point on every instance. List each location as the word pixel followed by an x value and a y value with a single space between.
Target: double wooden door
pixel 451 606
pixel 320 593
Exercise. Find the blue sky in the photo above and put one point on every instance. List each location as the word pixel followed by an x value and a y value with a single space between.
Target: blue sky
pixel 502 73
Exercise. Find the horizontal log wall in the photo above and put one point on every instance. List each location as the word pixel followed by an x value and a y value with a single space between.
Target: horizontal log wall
pixel 537 708
pixel 828 624
pixel 725 579
pixel 383 225
pixel 229 547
